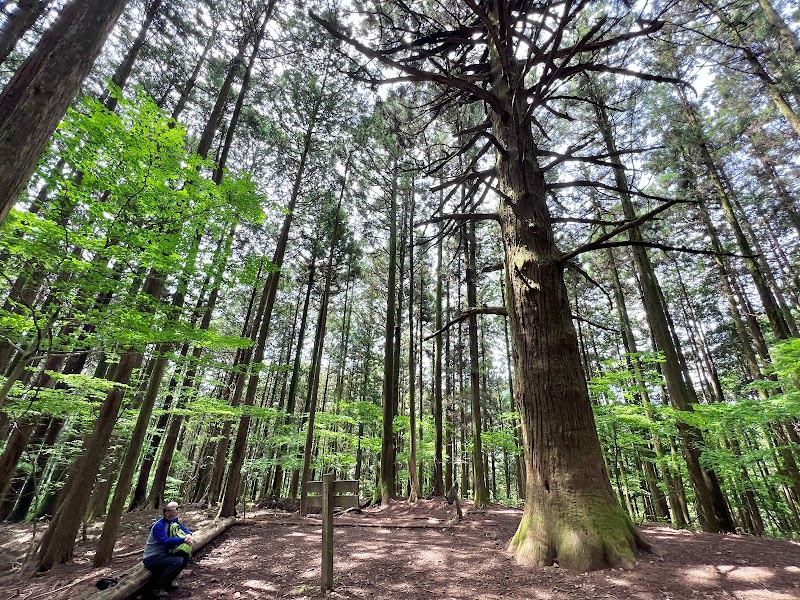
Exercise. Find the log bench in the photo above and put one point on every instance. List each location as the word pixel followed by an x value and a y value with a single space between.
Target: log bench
pixel 134 578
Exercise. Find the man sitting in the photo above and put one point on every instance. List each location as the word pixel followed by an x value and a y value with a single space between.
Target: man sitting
pixel 166 552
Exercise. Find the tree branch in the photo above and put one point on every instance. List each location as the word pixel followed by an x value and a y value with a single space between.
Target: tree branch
pixel 593 324
pixel 655 245
pixel 481 310
pixel 460 217
pixel 621 229
pixel 415 73
pixel 604 186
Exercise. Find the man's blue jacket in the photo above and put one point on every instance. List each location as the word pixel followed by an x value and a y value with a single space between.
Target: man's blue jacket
pixel 159 541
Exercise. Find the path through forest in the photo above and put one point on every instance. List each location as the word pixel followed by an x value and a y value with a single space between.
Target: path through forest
pixel 411 552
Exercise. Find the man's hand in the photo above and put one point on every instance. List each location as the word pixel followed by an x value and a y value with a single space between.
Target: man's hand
pixel 188 539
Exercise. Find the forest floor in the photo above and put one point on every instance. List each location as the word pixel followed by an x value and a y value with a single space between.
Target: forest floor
pixel 414 552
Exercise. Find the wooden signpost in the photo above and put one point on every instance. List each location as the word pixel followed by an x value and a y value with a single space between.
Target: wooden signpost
pixel 327 500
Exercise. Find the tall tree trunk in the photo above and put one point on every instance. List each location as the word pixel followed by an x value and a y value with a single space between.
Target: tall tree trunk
pixel 214 119
pixel 58 541
pixel 108 537
pixel 387 470
pixel 481 497
pixel 27 496
pixel 786 200
pixel 681 395
pixel 291 401
pixel 37 97
pixel 124 69
pixel 416 492
pixel 629 341
pixel 203 311
pixel 781 328
pixel 316 363
pixel 18 22
pixel 228 505
pixel 398 324
pixel 449 404
pixel 571 514
pixel 438 484
pixel 248 74
pixel 186 89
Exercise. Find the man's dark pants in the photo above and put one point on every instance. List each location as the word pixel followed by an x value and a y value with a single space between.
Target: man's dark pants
pixel 165 568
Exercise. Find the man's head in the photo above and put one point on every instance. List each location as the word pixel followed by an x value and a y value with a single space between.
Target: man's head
pixel 170 511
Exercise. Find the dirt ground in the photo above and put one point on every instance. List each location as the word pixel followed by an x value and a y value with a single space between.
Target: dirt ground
pixel 415 552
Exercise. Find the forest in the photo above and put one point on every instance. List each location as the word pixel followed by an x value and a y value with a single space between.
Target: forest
pixel 545 253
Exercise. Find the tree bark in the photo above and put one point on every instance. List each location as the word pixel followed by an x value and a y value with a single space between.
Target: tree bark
pixel 387 467
pixel 481 497
pixel 18 22
pixel 37 97
pixel 438 482
pixel 571 514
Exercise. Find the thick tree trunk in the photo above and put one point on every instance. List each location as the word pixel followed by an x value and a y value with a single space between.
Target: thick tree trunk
pixel 571 514
pixel 37 97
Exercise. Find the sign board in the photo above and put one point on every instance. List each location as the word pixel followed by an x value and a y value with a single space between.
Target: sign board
pixel 339 487
pixel 331 494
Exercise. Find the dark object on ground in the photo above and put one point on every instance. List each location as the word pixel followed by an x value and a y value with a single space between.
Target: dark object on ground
pixel 287 504
pixel 106 582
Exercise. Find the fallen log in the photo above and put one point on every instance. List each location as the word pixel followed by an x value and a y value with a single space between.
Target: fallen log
pixel 134 578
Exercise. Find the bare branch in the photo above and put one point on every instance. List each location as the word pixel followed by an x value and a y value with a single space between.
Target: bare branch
pixel 464 177
pixel 585 221
pixel 481 310
pixel 594 324
pixel 493 268
pixel 655 245
pixel 621 229
pixel 604 186
pixel 413 72
pixel 460 217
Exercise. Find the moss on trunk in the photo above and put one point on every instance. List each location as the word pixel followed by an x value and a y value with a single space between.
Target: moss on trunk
pixel 580 532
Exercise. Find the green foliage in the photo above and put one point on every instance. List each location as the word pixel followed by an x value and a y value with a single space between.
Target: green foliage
pixel 128 202
pixel 617 382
